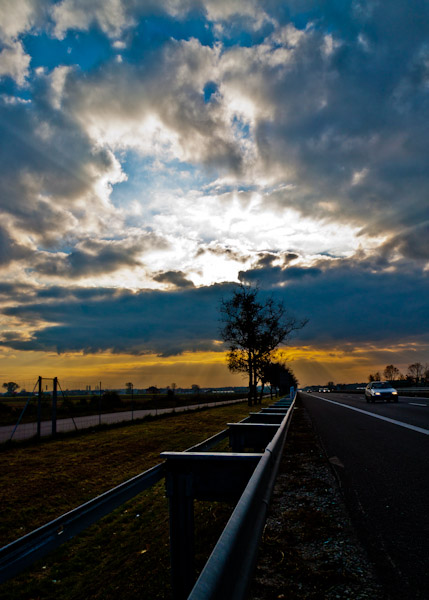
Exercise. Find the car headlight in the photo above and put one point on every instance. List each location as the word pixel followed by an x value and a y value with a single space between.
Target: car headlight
pixel 378 393
pixel 394 392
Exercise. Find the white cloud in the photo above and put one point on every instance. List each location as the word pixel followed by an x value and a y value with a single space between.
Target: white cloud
pixel 58 79
pixel 110 15
pixel 222 10
pixel 14 62
pixel 17 16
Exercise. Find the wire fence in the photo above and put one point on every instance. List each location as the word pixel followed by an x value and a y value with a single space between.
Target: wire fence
pixel 24 431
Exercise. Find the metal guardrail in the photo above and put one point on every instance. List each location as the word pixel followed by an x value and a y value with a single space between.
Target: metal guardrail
pixel 21 553
pixel 227 573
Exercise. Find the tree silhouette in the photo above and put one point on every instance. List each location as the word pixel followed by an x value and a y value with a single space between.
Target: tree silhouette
pixel 415 372
pixel 281 377
pixel 374 376
pixel 391 372
pixel 11 387
pixel 252 330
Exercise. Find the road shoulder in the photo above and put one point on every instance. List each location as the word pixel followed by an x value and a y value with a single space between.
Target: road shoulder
pixel 310 549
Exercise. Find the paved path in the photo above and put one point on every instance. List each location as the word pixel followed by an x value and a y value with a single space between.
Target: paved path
pixel 29 430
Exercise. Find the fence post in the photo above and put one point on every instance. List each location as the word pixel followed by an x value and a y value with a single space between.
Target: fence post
pixel 54 406
pixel 99 405
pixel 180 497
pixel 39 408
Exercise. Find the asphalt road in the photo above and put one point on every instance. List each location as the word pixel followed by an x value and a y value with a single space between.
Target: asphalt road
pixel 381 458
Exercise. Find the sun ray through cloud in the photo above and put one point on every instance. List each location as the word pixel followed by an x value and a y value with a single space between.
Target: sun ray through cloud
pixel 155 154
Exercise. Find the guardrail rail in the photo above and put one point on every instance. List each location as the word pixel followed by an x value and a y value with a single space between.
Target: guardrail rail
pixel 246 476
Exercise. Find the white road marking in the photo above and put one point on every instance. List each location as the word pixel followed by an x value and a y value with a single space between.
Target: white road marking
pixel 416 404
pixel 365 412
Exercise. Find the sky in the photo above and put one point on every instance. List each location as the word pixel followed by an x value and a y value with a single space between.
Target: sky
pixel 156 153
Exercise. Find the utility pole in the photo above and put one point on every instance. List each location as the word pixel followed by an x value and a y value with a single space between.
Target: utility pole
pixel 39 407
pixel 132 402
pixel 54 406
pixel 99 405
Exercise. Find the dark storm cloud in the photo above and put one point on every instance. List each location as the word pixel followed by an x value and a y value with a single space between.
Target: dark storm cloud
pixel 348 304
pixel 17 293
pixel 96 257
pixel 268 260
pixel 9 249
pixel 150 321
pixel 352 301
pixel 354 306
pixel 266 276
pixel 222 250
pixel 413 244
pixel 176 278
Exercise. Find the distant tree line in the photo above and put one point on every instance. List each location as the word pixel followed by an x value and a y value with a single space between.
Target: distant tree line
pixel 417 374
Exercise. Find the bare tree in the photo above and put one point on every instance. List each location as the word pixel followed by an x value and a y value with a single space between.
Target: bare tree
pixel 415 372
pixel 391 373
pixel 374 376
pixel 253 330
pixel 11 387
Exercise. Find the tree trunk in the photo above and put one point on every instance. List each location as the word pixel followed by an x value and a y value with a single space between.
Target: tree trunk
pixel 250 395
pixel 262 392
pixel 255 386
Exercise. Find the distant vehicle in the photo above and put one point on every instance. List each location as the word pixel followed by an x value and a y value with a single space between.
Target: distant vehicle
pixel 324 390
pixel 380 390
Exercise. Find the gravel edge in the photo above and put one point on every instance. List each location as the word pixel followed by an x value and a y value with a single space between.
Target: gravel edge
pixel 310 549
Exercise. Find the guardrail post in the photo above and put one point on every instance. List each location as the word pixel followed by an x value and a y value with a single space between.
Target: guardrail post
pixel 180 495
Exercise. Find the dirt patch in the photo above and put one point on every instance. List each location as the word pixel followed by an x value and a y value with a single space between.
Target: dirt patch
pixel 310 549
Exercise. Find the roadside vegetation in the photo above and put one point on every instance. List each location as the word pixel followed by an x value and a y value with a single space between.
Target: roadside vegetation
pixel 126 554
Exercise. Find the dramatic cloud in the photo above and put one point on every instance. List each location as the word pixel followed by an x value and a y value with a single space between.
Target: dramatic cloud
pixel 170 147
pixel 348 305
pixel 175 278
pixel 121 321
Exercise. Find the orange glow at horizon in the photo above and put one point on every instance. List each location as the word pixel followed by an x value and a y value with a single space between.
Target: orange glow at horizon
pixel 310 364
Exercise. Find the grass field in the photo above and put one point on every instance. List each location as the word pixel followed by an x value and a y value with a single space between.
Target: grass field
pixel 11 408
pixel 126 554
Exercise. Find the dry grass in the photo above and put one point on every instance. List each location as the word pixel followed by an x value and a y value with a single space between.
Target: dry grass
pixel 127 553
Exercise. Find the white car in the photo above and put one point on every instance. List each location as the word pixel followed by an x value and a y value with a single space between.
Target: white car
pixel 380 390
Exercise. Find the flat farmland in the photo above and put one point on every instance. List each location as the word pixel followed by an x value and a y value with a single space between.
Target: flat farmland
pixel 127 552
